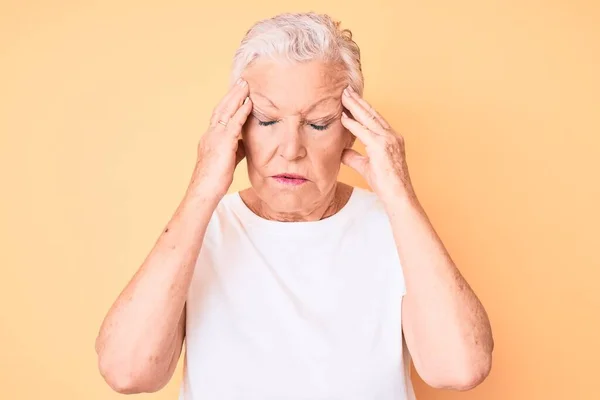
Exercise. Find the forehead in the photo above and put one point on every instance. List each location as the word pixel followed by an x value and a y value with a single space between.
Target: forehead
pixel 294 87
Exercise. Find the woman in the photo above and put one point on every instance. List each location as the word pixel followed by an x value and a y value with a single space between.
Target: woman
pixel 299 287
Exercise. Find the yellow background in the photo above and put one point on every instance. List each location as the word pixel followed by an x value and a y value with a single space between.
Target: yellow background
pixel 102 105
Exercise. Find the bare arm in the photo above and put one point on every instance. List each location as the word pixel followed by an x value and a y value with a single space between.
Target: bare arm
pixel 141 338
pixel 446 328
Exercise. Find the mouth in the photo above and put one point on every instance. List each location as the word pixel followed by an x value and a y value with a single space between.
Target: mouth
pixel 290 179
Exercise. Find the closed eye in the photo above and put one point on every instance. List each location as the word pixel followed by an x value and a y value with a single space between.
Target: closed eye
pixel 319 127
pixel 314 126
pixel 266 123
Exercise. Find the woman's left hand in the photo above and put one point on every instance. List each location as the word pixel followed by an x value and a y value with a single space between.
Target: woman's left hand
pixel 384 166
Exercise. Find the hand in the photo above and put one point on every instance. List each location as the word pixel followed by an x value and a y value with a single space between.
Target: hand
pixel 221 148
pixel 384 167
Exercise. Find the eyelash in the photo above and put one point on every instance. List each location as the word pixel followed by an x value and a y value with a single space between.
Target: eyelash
pixel 315 127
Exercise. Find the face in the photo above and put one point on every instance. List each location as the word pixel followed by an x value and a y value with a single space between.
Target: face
pixel 294 138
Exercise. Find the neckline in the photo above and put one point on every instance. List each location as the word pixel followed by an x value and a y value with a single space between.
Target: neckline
pixel 282 227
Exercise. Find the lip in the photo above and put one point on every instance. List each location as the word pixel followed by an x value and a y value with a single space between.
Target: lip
pixel 290 179
pixel 290 176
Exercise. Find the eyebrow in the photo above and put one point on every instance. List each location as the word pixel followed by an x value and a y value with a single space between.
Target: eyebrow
pixel 325 120
pixel 328 119
pixel 258 114
pixel 309 108
pixel 266 98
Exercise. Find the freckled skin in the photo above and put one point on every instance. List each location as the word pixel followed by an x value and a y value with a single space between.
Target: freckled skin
pixel 284 93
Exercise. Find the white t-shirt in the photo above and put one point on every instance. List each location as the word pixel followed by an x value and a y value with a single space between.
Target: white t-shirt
pixel 297 310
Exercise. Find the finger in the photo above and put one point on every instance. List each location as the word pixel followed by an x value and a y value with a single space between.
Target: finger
pixel 235 102
pixel 230 103
pixel 225 99
pixel 237 121
pixel 372 111
pixel 238 86
pixel 361 114
pixel 240 152
pixel 355 160
pixel 365 135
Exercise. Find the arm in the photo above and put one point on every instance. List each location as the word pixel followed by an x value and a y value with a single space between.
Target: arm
pixel 140 340
pixel 446 328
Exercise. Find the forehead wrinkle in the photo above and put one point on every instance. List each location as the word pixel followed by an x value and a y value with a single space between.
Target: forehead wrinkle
pixel 304 112
pixel 266 98
pixel 323 100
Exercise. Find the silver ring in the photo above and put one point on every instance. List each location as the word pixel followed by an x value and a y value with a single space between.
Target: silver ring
pixel 222 123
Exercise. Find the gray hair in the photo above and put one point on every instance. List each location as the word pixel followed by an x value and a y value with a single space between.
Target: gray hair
pixel 300 37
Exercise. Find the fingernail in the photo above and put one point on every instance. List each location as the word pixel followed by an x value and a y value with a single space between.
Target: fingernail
pixel 346 91
pixel 350 89
pixel 344 114
pixel 246 100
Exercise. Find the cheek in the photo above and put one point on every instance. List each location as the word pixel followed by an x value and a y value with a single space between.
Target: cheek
pixel 257 145
pixel 328 149
pixel 336 140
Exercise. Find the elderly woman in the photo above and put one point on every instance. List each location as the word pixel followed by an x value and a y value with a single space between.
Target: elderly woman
pixel 300 286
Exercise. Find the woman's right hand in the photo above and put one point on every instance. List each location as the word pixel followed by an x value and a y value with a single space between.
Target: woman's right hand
pixel 221 149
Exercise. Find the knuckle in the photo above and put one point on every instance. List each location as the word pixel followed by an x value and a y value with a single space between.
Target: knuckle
pixel 228 112
pixel 390 142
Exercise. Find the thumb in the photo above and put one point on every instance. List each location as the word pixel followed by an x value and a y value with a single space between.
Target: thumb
pixel 355 160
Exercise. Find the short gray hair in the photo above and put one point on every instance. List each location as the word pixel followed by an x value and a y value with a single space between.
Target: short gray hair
pixel 300 37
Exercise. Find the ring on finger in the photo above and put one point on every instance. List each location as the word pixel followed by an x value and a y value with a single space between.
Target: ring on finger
pixel 224 123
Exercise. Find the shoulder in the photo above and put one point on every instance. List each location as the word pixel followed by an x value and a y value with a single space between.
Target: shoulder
pixel 365 197
pixel 372 229
pixel 223 218
pixel 367 207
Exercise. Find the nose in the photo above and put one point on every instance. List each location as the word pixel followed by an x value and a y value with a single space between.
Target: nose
pixel 292 147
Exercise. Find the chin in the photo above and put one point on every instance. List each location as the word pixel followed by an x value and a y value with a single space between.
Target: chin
pixel 286 198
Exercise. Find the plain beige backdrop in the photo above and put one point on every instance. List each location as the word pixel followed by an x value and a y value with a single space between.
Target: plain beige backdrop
pixel 102 105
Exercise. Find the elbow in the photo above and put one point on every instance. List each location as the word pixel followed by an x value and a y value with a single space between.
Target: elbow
pixel 463 378
pixel 473 376
pixel 125 379
pixel 122 384
pixel 120 379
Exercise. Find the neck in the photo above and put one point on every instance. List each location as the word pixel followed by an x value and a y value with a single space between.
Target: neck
pixel 327 206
